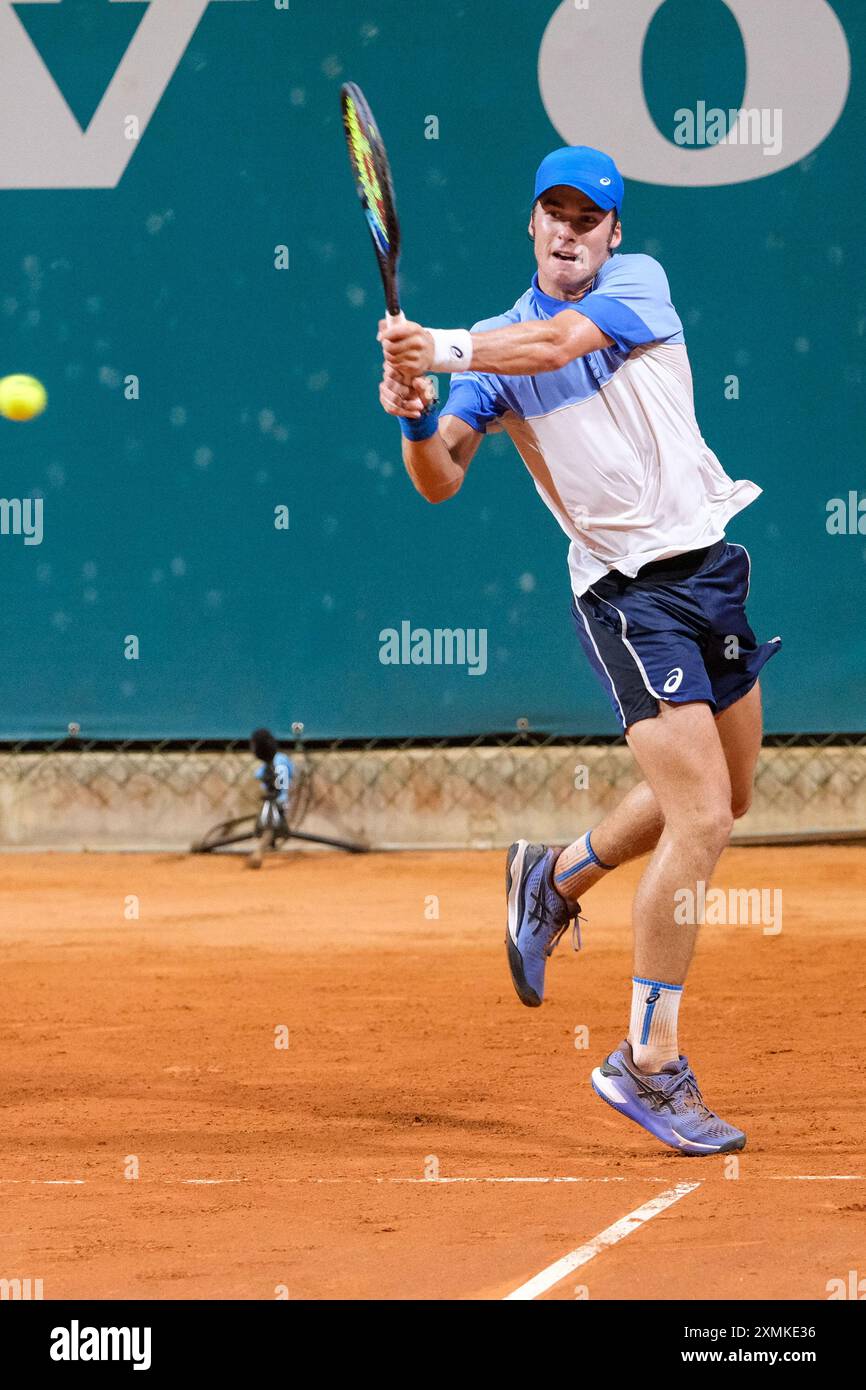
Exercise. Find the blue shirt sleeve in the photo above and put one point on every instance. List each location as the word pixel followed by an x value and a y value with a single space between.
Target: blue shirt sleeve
pixel 474 398
pixel 632 304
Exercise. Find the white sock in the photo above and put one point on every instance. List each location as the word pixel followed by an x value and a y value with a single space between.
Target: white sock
pixel 578 868
pixel 653 1028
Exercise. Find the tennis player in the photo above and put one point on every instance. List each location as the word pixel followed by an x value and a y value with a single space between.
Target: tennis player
pixel 589 375
pixel 276 770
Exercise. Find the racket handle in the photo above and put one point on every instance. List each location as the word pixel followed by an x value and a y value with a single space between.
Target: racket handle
pixel 399 318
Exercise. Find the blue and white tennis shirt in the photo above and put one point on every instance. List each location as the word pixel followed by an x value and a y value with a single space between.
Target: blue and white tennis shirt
pixel 285 770
pixel 611 439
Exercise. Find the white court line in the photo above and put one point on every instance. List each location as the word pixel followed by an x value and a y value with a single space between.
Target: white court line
pixel 215 1182
pixel 442 1182
pixel 817 1177
pixel 584 1253
pixel 207 1182
pixel 416 1182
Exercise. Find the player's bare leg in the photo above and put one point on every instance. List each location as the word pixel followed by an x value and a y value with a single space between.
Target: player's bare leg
pixel 264 845
pixel 741 728
pixel 686 763
pixel 701 771
pixel 634 826
pixel 681 755
pixel 631 829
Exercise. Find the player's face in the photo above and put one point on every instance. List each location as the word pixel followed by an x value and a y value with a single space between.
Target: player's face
pixel 573 238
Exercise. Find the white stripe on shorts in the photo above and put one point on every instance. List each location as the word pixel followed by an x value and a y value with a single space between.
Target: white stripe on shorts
pixel 601 663
pixel 624 638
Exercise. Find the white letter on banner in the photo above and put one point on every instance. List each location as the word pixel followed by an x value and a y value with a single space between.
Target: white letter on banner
pixel 589 75
pixel 42 145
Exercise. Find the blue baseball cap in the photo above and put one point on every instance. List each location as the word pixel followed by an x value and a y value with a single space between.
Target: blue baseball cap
pixel 580 166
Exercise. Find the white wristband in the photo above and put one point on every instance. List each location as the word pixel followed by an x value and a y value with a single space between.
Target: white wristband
pixel 452 348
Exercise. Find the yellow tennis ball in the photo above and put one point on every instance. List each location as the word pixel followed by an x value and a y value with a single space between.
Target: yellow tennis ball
pixel 22 397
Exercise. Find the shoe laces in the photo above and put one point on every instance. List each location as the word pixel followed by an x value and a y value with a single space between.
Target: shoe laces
pixel 545 903
pixel 680 1087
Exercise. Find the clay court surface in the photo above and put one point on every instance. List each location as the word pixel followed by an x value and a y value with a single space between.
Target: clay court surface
pixel 307 1168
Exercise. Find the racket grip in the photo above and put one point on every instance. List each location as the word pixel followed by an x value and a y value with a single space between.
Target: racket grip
pixel 399 318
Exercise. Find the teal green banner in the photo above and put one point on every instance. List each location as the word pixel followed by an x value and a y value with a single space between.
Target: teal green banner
pixel 210 527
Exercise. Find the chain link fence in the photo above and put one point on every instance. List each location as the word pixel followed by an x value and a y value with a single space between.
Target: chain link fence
pixel 481 792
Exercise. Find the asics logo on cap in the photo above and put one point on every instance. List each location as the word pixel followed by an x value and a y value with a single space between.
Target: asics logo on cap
pixel 604 182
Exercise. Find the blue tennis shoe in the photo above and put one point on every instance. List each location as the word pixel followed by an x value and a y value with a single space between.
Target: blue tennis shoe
pixel 537 917
pixel 668 1103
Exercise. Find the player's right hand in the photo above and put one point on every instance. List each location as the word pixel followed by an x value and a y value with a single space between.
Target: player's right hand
pixel 396 398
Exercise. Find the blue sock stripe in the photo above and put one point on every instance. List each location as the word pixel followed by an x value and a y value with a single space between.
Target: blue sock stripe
pixel 575 869
pixel 591 858
pixel 657 984
pixel 647 1020
pixel 589 849
pixel 600 862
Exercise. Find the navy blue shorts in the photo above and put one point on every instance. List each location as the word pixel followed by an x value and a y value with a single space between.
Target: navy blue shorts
pixel 677 632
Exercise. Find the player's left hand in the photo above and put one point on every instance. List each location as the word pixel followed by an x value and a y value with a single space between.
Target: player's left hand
pixel 408 347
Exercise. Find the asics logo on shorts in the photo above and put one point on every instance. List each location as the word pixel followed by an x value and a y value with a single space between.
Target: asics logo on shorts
pixel 674 680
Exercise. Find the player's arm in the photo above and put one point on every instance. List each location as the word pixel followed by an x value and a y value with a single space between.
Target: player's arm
pixel 437 465
pixel 521 349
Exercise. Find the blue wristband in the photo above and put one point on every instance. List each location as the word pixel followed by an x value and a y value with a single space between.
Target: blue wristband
pixel 423 428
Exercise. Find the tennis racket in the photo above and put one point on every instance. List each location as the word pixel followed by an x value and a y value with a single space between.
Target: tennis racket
pixel 372 174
